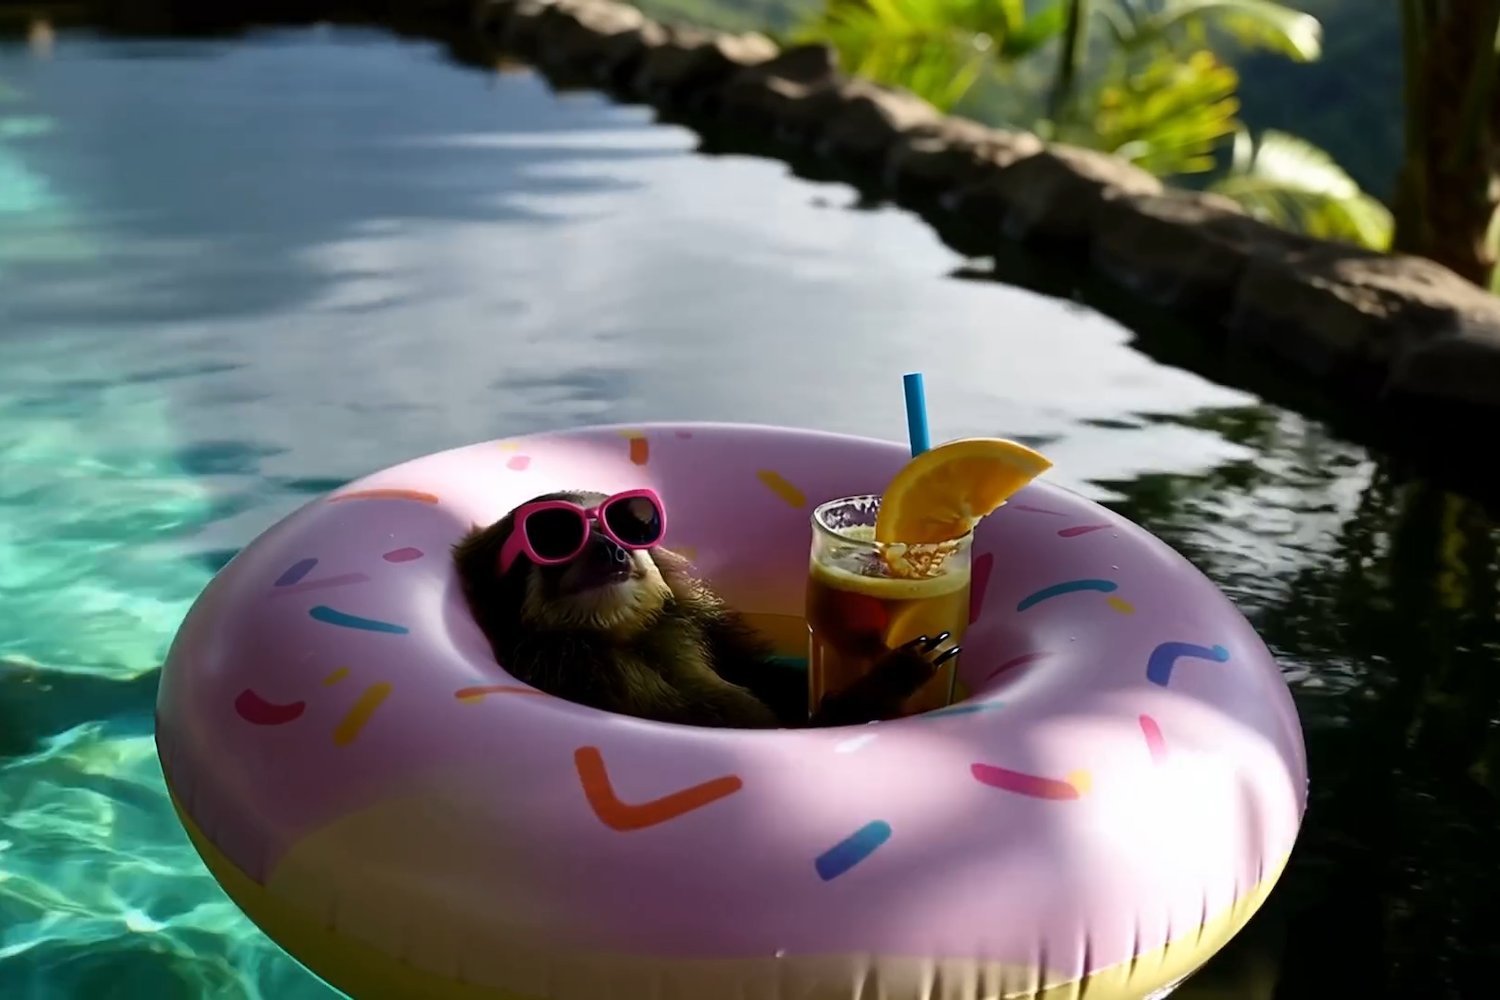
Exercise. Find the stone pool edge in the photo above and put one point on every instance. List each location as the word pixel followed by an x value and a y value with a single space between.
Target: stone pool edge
pixel 1399 350
pixel 1390 328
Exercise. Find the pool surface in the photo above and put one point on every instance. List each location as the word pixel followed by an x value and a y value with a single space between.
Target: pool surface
pixel 235 274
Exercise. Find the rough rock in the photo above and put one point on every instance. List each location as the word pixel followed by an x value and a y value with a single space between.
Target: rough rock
pixel 1054 196
pixel 576 36
pixel 1184 249
pixel 511 26
pixel 1376 322
pixel 689 61
pixel 923 164
pixel 1459 367
pixel 787 93
pixel 621 56
pixel 868 119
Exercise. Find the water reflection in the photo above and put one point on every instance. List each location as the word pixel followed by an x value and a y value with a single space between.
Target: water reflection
pixel 234 274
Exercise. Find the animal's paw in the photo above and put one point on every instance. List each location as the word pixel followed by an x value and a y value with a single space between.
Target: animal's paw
pixel 900 673
pixel 896 676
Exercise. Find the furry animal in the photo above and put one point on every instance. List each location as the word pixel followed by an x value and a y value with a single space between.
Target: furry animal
pixel 633 632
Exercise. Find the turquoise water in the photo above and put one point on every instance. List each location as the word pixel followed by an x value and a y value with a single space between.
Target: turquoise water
pixel 234 274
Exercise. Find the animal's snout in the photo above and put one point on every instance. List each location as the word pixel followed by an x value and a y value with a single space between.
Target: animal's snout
pixel 607 553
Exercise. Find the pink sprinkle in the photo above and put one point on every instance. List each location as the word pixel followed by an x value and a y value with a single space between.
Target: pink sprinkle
pixel 979 582
pixel 402 555
pixel 1033 785
pixel 518 462
pixel 1035 510
pixel 1154 740
pixel 1013 663
pixel 1080 529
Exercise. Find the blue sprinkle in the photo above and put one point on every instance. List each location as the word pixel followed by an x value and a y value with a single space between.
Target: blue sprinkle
pixel 1066 587
pixel 964 709
pixel 852 849
pixel 329 616
pixel 295 572
pixel 1164 658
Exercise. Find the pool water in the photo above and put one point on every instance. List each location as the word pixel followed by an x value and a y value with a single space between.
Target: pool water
pixel 235 274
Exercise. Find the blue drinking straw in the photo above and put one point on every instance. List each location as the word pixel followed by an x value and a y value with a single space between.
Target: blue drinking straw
pixel 916 413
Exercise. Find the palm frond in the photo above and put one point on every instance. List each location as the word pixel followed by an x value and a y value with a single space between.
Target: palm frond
pixel 1291 183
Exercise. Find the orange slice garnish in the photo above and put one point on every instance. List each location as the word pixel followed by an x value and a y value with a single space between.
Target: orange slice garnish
pixel 942 493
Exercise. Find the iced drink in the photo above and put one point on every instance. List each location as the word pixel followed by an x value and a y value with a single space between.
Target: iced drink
pixel 866 598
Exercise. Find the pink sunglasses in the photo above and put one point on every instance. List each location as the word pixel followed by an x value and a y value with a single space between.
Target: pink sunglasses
pixel 554 531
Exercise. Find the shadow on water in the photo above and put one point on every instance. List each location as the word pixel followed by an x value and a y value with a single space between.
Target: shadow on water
pixel 1393 635
pixel 1379 592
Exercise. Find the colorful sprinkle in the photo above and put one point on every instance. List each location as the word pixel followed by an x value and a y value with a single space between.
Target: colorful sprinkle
pixel 640 450
pixel 473 694
pixel 968 709
pixel 354 720
pixel 1035 510
pixel 336 676
pixel 402 555
pixel 330 616
pixel 1030 784
pixel 1066 587
pixel 979 583
pixel 781 487
pixel 258 712
pixel 343 580
pixel 518 463
pixel 416 495
pixel 854 743
pixel 1013 663
pixel 684 434
pixel 508 445
pixel 295 572
pixel 1121 605
pixel 1154 739
pixel 852 849
pixel 1164 658
pixel 1080 529
pixel 625 816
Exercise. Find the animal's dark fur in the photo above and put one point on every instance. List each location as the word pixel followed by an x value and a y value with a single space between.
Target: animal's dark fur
pixel 657 644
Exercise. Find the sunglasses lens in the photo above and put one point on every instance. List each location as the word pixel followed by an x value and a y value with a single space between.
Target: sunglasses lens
pixel 555 533
pixel 635 521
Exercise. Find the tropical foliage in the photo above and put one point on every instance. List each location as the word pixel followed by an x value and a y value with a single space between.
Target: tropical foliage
pixel 1137 78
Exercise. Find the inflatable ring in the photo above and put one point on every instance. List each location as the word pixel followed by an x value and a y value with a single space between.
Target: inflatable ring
pixel 1112 799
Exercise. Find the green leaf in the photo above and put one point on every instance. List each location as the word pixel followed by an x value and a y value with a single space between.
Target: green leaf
pixel 1035 31
pixel 1291 32
pixel 1291 183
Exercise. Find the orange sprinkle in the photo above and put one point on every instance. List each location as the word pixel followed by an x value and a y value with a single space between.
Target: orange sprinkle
pixel 354 720
pixel 416 495
pixel 336 676
pixel 1121 605
pixel 623 816
pixel 778 484
pixel 640 450
pixel 473 694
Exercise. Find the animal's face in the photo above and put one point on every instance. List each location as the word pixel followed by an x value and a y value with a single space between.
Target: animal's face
pixel 605 587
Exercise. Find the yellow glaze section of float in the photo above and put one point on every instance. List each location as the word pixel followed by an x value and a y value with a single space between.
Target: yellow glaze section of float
pixel 368 973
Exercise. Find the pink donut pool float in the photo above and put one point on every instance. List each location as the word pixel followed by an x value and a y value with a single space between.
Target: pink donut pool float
pixel 1114 796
